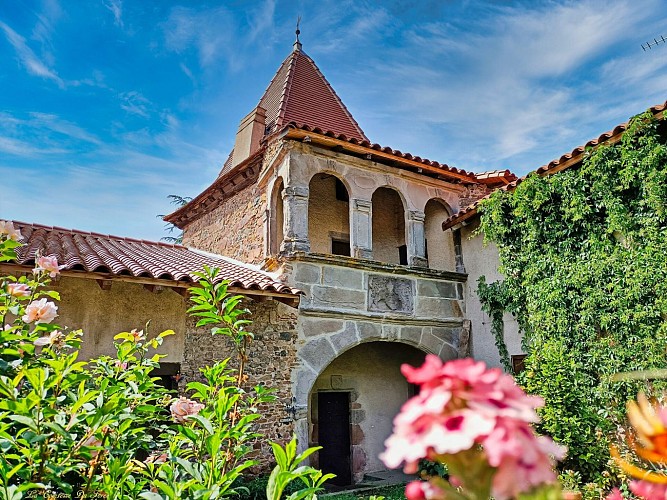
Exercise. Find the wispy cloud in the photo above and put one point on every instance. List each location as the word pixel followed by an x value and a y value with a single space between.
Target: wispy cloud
pixel 116 8
pixel 27 57
pixel 135 103
pixel 508 84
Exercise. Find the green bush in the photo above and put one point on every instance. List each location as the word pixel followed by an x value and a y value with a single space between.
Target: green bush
pixel 584 258
pixel 98 428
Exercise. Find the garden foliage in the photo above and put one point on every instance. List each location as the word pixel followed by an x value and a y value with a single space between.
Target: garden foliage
pixel 105 427
pixel 584 256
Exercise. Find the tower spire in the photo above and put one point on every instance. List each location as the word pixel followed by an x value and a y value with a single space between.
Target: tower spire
pixel 297 43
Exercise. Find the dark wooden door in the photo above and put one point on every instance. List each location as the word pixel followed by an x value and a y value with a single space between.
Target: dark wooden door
pixel 333 417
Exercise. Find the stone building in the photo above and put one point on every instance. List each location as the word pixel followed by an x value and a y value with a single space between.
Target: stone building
pixel 358 228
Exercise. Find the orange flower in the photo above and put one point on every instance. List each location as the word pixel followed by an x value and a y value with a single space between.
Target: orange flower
pixel 649 421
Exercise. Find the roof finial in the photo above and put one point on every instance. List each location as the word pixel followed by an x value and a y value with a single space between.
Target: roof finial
pixel 297 43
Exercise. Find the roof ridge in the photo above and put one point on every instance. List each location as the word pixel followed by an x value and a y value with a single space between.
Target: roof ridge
pixel 287 86
pixel 96 235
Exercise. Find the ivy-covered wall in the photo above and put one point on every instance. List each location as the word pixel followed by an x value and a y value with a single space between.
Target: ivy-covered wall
pixel 584 259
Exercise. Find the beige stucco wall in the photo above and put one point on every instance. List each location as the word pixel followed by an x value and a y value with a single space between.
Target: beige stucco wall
pixel 371 372
pixel 326 214
pixel 440 243
pixel 388 225
pixel 102 314
pixel 480 259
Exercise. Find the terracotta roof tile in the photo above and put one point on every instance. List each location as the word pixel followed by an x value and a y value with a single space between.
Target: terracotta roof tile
pixel 383 149
pixel 565 161
pixel 300 93
pixel 115 255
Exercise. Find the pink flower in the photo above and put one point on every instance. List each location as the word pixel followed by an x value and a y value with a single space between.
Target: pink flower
pixel 137 336
pixel 40 311
pixel 49 265
pixel 18 290
pixel 7 227
pixel 183 408
pixel 523 473
pixel 423 490
pixel 55 338
pixel 462 405
pixel 649 491
pixel 614 495
pixel 121 365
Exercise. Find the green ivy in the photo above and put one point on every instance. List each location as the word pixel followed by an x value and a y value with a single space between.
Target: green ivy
pixel 584 258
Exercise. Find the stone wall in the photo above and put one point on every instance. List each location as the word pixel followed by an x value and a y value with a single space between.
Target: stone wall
pixel 472 193
pixel 235 228
pixel 272 357
pixel 349 302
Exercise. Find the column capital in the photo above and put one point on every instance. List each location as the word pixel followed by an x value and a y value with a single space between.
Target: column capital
pixel 296 191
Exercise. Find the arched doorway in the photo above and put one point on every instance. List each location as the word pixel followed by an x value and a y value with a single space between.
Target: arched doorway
pixel 352 406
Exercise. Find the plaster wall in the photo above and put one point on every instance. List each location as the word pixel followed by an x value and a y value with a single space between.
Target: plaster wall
pixel 327 216
pixel 482 260
pixel 388 225
pixel 371 372
pixel 440 244
pixel 102 314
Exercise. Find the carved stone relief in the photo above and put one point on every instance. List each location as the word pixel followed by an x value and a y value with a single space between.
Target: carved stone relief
pixel 389 294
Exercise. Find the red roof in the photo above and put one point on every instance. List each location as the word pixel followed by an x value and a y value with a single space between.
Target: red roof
pixel 565 161
pixel 119 256
pixel 299 93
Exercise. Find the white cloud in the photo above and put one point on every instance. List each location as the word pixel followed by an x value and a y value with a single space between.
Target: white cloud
pixel 116 8
pixel 135 103
pixel 27 57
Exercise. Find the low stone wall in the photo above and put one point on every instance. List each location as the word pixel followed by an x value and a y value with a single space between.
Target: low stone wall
pixel 272 357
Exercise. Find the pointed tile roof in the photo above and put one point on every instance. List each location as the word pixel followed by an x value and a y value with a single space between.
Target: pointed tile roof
pixel 299 93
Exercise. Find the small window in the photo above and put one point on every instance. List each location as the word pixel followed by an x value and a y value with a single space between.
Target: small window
pixel 518 363
pixel 341 191
pixel 340 247
pixel 403 255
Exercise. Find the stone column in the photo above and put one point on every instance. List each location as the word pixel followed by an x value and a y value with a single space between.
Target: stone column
pixel 361 236
pixel 295 224
pixel 416 238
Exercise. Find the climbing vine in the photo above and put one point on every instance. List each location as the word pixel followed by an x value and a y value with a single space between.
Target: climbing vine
pixel 584 258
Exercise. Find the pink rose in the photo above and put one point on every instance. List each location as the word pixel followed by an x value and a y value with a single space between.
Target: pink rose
pixel 55 338
pixel 40 311
pixel 8 228
pixel 423 490
pixel 49 265
pixel 18 290
pixel 183 408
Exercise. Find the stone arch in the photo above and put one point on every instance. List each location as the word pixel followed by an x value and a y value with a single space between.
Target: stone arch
pixel 329 214
pixel 388 226
pixel 439 244
pixel 320 351
pixel 276 217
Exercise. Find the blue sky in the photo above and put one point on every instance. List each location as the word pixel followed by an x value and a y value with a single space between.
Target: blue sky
pixel 108 106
